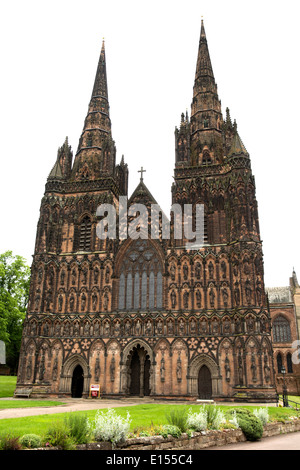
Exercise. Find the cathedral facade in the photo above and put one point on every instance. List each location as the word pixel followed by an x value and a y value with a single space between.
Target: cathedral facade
pixel 142 315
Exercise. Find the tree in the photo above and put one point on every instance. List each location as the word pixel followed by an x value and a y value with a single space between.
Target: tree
pixel 14 291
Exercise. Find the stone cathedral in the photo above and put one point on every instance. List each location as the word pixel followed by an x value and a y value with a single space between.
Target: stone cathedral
pixel 142 316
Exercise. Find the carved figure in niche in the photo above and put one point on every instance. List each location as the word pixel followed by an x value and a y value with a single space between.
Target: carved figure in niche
pixel 266 368
pixel 237 294
pixel 159 327
pixel 48 300
pixel 97 328
pixel 73 276
pixel 71 303
pixel 51 277
pixel 226 327
pixel 46 329
pixel 186 299
pixel 96 274
pixel 170 327
pixel 227 369
pixel 55 366
pixel 198 270
pixel 250 325
pixel 185 272
pixel 235 267
pixel 253 367
pixel 203 326
pixel 76 329
pixel 138 328
pixel 66 329
pixel 193 326
pixel 86 329
pixel 211 270
pixel 97 367
pixel 248 291
pixel 60 302
pixel 172 272
pixel 62 277
pixel 179 369
pixel 198 298
pixel 240 368
pixel 112 369
pixel 83 301
pixel 84 274
pixel 117 328
pixel 181 327
pixel 57 329
pixel 127 328
pixel 258 290
pixel 212 297
pixel 107 274
pixel 148 328
pixel 225 296
pixel 42 369
pixel 223 269
pixel 29 368
pixel 105 301
pixel 215 327
pixel 94 300
pixel 246 266
pixel 106 328
pixel 173 299
pixel 162 369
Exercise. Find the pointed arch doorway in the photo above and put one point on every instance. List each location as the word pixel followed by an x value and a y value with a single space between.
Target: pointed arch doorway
pixel 77 382
pixel 139 372
pixel 204 383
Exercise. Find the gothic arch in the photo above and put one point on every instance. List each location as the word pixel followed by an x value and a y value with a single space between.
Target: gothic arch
pixel 193 372
pixel 67 374
pixel 125 364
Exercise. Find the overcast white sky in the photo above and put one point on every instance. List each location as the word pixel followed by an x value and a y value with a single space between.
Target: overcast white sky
pixel 49 54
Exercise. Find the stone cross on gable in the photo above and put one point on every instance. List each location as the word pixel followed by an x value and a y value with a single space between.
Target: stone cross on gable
pixel 141 171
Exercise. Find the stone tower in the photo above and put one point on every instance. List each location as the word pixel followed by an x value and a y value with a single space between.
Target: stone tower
pixel 148 315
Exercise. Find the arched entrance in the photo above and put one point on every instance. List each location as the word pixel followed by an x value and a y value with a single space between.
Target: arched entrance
pixel 204 383
pixel 139 372
pixel 77 382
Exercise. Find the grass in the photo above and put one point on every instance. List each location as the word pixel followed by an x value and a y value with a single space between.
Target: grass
pixel 142 416
pixel 7 385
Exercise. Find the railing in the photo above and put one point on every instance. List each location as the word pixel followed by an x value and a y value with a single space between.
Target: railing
pixel 295 406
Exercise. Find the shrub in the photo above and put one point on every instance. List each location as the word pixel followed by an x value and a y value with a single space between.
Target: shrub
pixel 31 441
pixel 79 428
pixel 10 442
pixel 111 427
pixel 58 435
pixel 197 421
pixel 234 420
pixel 178 417
pixel 249 424
pixel 262 414
pixel 170 429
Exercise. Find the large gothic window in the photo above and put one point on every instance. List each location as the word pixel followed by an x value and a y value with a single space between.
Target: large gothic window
pixel 141 280
pixel 281 330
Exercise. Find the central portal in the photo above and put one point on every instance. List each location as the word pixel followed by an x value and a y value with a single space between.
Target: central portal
pixel 139 372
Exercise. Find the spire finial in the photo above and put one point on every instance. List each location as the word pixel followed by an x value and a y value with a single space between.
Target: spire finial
pixel 141 171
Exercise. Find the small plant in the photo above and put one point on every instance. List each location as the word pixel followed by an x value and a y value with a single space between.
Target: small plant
pixel 111 427
pixel 197 421
pixel 178 417
pixel 10 442
pixel 262 414
pixel 234 420
pixel 79 428
pixel 215 417
pixel 31 441
pixel 58 435
pixel 170 429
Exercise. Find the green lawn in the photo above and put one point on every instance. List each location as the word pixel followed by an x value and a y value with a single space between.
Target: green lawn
pixel 7 386
pixel 141 416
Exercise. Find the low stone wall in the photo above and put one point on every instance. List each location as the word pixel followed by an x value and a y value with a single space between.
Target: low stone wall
pixel 200 440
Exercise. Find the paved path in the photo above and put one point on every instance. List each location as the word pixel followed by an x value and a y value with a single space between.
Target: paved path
pixel 290 441
pixel 82 404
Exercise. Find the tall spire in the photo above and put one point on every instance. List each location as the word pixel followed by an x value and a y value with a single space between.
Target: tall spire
pixel 206 114
pixel 95 155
